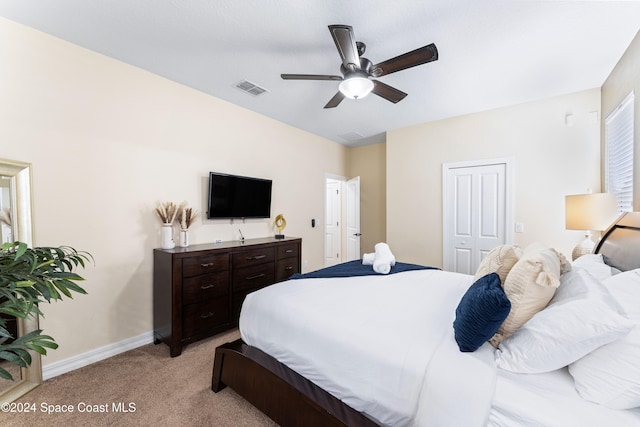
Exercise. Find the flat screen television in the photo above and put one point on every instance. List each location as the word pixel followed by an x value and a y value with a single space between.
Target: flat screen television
pixel 233 196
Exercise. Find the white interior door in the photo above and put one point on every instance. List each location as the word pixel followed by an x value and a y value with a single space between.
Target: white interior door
pixel 332 234
pixel 476 211
pixel 352 219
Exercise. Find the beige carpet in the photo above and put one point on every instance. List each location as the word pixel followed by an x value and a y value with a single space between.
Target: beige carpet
pixel 156 389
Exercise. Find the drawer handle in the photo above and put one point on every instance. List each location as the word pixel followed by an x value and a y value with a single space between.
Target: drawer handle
pixel 288 251
pixel 249 258
pixel 288 267
pixel 205 287
pixel 257 276
pixel 206 315
pixel 209 264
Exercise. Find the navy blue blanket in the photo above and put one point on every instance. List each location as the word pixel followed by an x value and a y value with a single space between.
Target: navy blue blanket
pixel 356 268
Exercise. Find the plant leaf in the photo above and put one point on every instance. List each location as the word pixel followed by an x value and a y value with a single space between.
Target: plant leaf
pixel 13 358
pixel 22 249
pixel 5 375
pixel 30 277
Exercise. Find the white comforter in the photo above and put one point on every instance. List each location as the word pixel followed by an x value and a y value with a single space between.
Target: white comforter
pixel 382 344
pixel 550 400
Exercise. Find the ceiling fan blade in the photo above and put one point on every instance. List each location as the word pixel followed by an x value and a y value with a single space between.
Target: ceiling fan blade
pixel 387 92
pixel 345 41
pixel 419 56
pixel 337 99
pixel 309 77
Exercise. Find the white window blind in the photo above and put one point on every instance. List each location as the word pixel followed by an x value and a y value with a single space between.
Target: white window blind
pixel 619 152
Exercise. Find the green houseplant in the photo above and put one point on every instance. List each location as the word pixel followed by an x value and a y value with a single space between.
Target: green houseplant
pixel 28 278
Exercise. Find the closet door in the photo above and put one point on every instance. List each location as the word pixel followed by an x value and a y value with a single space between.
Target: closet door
pixel 475 213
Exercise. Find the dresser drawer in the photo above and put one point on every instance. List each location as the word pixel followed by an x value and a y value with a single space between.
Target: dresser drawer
pixel 204 264
pixel 253 257
pixel 288 251
pixel 205 286
pixel 286 267
pixel 253 277
pixel 200 317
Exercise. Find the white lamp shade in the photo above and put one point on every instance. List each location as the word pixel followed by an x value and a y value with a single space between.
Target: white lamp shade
pixel 590 211
pixel 356 87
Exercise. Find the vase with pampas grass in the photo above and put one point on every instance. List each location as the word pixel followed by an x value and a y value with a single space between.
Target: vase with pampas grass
pixel 167 212
pixel 186 217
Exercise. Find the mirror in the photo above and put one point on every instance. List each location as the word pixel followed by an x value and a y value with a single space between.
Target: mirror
pixel 16 224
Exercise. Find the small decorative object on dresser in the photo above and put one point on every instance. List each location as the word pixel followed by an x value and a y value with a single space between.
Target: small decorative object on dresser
pixel 166 236
pixel 198 291
pixel 186 217
pixel 280 224
pixel 167 212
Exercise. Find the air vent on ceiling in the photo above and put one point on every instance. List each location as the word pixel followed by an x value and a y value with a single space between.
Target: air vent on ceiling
pixel 250 88
pixel 351 136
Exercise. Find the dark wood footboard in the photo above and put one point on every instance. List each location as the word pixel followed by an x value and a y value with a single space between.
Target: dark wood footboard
pixel 284 395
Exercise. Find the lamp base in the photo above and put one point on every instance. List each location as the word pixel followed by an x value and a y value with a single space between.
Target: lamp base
pixel 583 248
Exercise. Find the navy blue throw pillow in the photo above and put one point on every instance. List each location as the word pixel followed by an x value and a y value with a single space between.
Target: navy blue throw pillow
pixel 480 313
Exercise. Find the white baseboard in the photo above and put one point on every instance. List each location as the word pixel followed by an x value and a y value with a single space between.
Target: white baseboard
pixel 67 365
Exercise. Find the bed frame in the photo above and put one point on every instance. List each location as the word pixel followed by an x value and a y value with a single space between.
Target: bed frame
pixel 281 393
pixel 291 400
pixel 620 243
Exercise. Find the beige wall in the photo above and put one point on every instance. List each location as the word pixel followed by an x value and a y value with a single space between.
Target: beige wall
pixel 624 79
pixel 551 160
pixel 369 163
pixel 107 141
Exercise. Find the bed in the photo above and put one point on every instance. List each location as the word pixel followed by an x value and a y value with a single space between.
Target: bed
pixel 381 350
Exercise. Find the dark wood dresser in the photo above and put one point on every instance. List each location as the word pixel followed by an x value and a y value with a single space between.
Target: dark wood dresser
pixel 198 291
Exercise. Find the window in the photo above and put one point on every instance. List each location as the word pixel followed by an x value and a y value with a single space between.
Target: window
pixel 619 154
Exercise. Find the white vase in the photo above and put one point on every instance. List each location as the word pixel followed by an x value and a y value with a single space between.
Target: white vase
pixel 167 237
pixel 184 238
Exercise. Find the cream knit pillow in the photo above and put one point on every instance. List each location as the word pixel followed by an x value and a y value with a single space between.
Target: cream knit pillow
pixel 499 260
pixel 530 285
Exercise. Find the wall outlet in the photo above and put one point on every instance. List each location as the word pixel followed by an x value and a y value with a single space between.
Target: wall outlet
pixel 519 227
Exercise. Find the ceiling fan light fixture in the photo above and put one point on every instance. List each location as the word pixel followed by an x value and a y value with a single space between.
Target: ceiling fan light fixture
pixel 356 86
pixel 359 74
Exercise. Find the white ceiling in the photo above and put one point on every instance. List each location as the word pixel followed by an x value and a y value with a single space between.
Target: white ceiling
pixel 491 53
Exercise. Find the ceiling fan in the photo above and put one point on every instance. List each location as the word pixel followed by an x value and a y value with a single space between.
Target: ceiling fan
pixel 358 72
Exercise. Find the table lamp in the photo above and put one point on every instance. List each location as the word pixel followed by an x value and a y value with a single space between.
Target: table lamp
pixel 588 212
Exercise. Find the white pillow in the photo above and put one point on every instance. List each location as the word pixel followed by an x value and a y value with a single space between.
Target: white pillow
pixel 594 264
pixel 625 288
pixel 581 317
pixel 610 375
pixel 588 259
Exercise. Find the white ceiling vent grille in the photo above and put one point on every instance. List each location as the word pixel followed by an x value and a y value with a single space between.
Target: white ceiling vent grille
pixel 351 136
pixel 250 88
